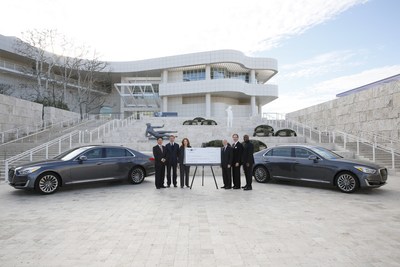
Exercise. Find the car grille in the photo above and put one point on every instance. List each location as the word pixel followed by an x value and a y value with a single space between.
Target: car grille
pixel 384 174
pixel 11 173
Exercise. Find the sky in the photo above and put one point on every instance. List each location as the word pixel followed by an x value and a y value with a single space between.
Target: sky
pixel 323 47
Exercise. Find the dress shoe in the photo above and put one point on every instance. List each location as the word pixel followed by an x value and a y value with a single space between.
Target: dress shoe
pixel 168 186
pixel 248 188
pixel 236 187
pixel 228 187
pixel 244 186
pixel 162 186
pixel 181 186
pixel 223 186
pixel 175 185
pixel 158 187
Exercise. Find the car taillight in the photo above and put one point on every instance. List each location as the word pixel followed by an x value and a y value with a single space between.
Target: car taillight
pixel 151 159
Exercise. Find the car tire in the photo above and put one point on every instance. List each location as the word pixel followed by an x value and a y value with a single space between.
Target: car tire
pixel 47 183
pixel 136 175
pixel 347 182
pixel 261 174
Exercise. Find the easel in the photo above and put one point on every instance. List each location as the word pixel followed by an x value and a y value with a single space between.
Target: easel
pixel 202 176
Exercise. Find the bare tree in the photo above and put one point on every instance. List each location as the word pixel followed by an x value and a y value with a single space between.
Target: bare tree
pixel 39 45
pixel 91 91
pixel 6 89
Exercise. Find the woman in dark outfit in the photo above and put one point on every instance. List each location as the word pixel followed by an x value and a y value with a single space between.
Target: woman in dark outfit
pixel 184 170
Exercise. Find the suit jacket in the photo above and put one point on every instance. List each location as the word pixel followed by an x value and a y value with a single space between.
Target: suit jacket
pixel 172 153
pixel 158 155
pixel 226 156
pixel 248 151
pixel 181 155
pixel 237 151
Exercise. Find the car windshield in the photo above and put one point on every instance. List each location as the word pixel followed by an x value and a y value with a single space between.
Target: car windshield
pixel 70 154
pixel 326 153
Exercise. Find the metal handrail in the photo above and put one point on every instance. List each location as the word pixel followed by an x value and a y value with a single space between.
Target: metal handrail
pixel 102 130
pixel 38 128
pixel 337 137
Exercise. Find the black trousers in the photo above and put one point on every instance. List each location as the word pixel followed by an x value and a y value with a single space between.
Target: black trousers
pixel 226 177
pixel 174 174
pixel 184 174
pixel 160 174
pixel 248 173
pixel 236 175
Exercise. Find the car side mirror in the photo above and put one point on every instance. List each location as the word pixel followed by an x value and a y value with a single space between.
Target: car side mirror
pixel 313 158
pixel 82 158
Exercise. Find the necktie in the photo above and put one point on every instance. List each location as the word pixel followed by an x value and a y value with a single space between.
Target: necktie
pixel 161 148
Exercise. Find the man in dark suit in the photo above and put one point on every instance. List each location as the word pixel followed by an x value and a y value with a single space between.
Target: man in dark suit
pixel 172 160
pixel 226 163
pixel 160 157
pixel 237 150
pixel 248 161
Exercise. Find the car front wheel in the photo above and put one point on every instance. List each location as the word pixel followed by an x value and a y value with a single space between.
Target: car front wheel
pixel 261 174
pixel 347 182
pixel 136 175
pixel 47 183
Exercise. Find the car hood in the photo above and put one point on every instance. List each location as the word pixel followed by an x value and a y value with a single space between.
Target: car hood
pixel 39 163
pixel 359 162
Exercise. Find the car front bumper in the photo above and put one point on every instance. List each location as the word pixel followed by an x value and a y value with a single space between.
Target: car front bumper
pixel 21 181
pixel 374 180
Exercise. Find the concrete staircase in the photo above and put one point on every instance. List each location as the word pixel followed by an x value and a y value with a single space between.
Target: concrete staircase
pixel 133 136
pixel 382 156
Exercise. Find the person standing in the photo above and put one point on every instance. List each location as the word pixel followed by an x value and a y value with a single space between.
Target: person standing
pixel 237 151
pixel 184 169
pixel 172 160
pixel 226 163
pixel 160 157
pixel 248 161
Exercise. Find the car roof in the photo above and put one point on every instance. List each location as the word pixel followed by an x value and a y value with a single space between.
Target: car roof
pixel 106 146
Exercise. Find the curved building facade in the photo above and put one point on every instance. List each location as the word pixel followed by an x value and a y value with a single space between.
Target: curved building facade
pixel 197 84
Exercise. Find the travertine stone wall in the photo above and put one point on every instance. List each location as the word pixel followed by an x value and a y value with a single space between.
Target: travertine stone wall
pixel 18 113
pixel 372 110
pixel 15 112
pixel 55 115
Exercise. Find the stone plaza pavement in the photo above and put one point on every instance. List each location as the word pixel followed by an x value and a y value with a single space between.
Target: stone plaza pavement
pixel 276 224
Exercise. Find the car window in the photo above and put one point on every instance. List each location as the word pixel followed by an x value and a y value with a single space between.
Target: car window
pixel 301 153
pixel 269 153
pixel 325 153
pixel 117 152
pixel 94 153
pixel 282 152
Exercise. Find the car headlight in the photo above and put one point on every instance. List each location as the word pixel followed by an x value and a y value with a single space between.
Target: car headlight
pixel 365 169
pixel 28 170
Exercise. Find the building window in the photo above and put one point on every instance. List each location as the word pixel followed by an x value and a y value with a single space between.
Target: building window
pixel 218 73
pixel 239 75
pixel 194 75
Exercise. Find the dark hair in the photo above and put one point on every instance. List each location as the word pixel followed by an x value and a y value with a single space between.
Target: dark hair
pixel 236 135
pixel 159 138
pixel 187 141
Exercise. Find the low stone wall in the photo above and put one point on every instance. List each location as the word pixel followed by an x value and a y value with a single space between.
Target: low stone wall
pixel 55 115
pixel 373 110
pixel 15 112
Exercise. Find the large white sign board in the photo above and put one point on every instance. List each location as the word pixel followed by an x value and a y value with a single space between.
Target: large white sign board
pixel 203 156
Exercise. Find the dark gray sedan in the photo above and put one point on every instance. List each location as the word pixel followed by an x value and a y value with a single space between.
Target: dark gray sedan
pixel 316 164
pixel 81 165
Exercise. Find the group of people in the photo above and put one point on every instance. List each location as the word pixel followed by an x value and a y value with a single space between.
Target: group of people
pixel 233 157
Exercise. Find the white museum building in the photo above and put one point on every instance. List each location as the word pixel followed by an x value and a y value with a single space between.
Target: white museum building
pixel 197 84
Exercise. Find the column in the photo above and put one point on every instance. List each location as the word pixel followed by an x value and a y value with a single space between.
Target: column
pixel 208 72
pixel 164 104
pixel 208 106
pixel 252 76
pixel 253 106
pixel 165 76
